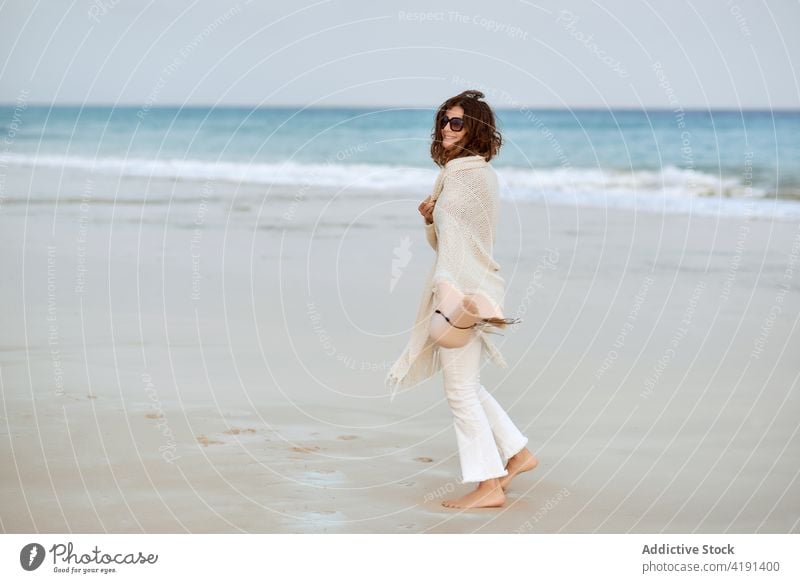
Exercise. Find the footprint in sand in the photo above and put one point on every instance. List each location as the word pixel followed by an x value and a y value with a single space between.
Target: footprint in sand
pixel 154 415
pixel 237 431
pixel 407 525
pixel 423 459
pixel 347 437
pixel 407 484
pixel 205 441
pixel 309 449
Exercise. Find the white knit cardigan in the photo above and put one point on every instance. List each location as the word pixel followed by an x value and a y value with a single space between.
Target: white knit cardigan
pixel 462 234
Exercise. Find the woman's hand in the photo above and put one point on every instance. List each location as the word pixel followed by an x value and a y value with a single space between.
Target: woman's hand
pixel 426 210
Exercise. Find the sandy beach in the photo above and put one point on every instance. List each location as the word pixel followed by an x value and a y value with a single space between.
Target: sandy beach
pixel 213 361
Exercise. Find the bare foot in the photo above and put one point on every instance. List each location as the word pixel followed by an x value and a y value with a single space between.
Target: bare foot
pixel 488 494
pixel 524 461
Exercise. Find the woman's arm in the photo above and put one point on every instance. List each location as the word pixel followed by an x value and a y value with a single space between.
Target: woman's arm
pixel 426 210
pixel 430 234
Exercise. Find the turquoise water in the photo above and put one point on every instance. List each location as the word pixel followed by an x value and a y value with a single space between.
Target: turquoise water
pixel 631 157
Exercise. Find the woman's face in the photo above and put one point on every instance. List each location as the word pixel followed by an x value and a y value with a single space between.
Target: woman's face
pixel 449 137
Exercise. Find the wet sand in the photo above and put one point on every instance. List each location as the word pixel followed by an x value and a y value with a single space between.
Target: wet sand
pixel 215 363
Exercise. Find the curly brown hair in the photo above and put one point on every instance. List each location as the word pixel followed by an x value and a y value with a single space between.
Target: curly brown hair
pixel 482 137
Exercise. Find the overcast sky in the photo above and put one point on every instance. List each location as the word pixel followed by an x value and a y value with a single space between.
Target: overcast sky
pixel 698 54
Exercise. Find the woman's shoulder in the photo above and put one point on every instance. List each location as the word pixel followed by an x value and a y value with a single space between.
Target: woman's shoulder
pixel 465 163
pixel 480 179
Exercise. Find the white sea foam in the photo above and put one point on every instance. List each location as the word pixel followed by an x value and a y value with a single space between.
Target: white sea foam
pixel 670 189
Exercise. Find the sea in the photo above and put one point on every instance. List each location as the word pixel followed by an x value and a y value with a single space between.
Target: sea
pixel 708 162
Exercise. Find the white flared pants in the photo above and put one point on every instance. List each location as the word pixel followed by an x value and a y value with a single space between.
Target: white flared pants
pixel 485 434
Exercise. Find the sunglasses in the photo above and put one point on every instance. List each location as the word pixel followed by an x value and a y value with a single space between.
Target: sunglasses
pixel 456 123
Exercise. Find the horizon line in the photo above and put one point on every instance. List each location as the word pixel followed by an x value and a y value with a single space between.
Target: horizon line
pixel 387 107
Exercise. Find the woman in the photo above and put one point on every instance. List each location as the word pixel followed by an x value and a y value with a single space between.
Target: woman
pixel 460 227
